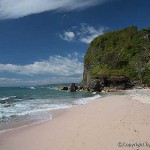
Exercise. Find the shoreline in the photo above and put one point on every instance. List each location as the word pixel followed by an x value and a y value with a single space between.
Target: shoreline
pixel 53 113
pixel 25 122
pixel 86 127
pixel 57 112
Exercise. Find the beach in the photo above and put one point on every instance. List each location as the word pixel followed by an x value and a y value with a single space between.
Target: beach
pixel 115 122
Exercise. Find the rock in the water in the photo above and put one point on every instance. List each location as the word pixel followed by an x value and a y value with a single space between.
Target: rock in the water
pixel 73 87
pixel 64 88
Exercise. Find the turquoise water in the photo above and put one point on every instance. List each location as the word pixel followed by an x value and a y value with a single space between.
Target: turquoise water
pixel 23 104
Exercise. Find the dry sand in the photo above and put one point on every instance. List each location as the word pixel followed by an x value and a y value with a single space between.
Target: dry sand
pixel 99 125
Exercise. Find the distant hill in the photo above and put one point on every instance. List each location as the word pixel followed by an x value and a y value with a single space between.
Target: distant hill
pixel 122 55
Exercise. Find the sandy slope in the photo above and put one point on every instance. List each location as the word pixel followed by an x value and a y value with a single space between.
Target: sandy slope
pixel 99 125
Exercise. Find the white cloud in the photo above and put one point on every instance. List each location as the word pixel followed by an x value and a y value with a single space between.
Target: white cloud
pixel 54 66
pixel 54 70
pixel 84 33
pixel 20 8
pixel 68 36
pixel 9 79
pixel 88 33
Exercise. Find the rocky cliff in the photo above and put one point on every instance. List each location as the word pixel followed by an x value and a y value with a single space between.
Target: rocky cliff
pixel 118 59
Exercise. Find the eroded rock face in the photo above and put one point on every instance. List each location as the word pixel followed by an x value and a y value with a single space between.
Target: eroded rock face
pixel 109 84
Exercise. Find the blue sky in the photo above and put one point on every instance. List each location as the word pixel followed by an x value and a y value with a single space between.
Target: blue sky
pixel 44 41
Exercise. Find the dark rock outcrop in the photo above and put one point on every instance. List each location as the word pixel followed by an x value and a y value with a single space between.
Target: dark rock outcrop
pixel 64 88
pixel 73 87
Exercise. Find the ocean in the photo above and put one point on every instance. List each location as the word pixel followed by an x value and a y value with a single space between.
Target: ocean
pixel 21 106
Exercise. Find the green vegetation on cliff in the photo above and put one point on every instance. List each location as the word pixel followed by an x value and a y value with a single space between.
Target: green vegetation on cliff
pixel 120 53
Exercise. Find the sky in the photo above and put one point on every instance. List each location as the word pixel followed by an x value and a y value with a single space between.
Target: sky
pixel 44 41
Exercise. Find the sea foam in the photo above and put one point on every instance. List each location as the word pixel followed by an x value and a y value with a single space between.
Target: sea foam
pixel 32 88
pixel 86 100
pixel 22 109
